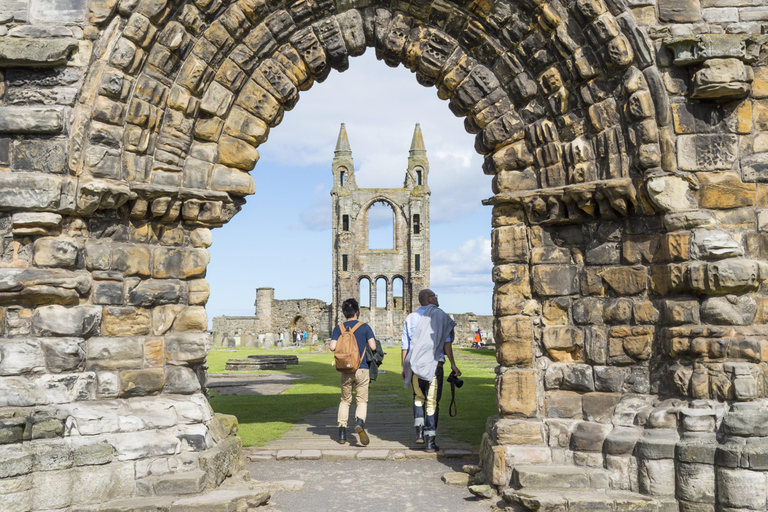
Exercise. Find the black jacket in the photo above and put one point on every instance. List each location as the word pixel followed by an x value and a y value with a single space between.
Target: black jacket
pixel 374 359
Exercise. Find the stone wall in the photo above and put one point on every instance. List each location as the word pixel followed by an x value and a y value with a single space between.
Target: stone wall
pixel 627 141
pixel 314 316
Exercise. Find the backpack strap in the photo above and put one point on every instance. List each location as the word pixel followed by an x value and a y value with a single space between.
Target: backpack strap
pixel 358 324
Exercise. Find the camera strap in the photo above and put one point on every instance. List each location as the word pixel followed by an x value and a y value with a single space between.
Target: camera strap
pixel 453 409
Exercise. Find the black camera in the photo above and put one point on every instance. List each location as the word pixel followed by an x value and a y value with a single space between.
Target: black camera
pixel 455 380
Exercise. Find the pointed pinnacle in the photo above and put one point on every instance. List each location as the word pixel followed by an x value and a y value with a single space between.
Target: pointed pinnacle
pixel 417 143
pixel 342 145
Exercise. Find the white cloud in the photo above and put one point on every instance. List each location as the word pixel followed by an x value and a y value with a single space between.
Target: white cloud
pixel 318 216
pixel 466 270
pixel 380 107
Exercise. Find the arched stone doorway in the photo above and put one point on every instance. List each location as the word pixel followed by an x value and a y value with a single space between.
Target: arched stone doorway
pixel 628 249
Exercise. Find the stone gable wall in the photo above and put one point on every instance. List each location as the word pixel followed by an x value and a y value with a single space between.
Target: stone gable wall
pixel 627 141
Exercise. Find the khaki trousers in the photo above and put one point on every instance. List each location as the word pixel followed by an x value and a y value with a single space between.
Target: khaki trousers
pixel 360 380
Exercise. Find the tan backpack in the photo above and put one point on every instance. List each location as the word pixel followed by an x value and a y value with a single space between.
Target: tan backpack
pixel 347 354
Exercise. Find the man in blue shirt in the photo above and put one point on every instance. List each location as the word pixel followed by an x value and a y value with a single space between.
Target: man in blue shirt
pixel 360 379
pixel 427 339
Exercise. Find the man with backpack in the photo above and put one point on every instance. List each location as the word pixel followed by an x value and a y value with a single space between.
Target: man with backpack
pixel 427 338
pixel 348 342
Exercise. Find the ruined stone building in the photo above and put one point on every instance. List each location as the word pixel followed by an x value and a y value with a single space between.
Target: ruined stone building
pixel 628 144
pixel 354 261
pixel 407 261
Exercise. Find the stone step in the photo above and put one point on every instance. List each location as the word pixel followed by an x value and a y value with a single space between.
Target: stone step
pixel 581 500
pixel 237 498
pixel 287 359
pixel 177 484
pixel 559 477
pixel 250 364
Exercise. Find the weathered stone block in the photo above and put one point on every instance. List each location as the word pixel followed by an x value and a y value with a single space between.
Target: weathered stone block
pixel 741 488
pixel 722 80
pixel 199 291
pixel 63 354
pixel 186 348
pixel 30 120
pixel 730 310
pixel 657 443
pixel 182 380
pixel 563 404
pixel 192 318
pixel 657 477
pixel 516 393
pixel 154 292
pixel 514 335
pixel 56 252
pixel 509 245
pixel 618 312
pixel 677 312
pixel 20 356
pixel 587 311
pixel 108 293
pixel 179 263
pixel 598 407
pixel 564 344
pixel 714 245
pixel 131 259
pixel 645 313
pixel 610 378
pixel 724 190
pixel 113 353
pixel 125 321
pixel 696 482
pixel 79 321
pixel 589 437
pixel 626 280
pixel 670 193
pixel 223 460
pixel 509 431
pixel 578 377
pixel 141 382
pixel 554 280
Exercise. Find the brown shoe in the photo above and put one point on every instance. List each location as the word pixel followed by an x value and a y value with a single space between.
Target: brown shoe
pixel 360 429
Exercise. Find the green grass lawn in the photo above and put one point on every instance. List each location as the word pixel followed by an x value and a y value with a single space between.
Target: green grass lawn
pixel 264 418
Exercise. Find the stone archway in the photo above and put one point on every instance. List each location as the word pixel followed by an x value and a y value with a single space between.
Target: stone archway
pixel 626 263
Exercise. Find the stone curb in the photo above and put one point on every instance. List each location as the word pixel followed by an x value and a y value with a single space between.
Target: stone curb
pixel 351 454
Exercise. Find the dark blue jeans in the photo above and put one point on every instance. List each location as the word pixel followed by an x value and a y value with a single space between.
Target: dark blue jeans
pixel 426 401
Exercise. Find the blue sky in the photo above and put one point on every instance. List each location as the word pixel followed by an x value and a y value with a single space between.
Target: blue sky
pixel 282 236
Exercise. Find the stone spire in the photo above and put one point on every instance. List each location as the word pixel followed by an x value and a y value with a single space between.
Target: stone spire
pixel 342 145
pixel 417 143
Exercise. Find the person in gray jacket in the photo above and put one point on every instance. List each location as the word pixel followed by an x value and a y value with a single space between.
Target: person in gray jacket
pixel 427 339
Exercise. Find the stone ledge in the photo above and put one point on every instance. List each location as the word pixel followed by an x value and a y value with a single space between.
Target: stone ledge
pixel 570 204
pixel 33 52
pixel 362 454
pixel 31 120
pixel 695 49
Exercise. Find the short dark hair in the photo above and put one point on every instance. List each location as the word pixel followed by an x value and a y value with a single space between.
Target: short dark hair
pixel 350 308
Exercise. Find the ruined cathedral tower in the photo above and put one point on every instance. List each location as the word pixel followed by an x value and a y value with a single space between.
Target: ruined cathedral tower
pixel 407 260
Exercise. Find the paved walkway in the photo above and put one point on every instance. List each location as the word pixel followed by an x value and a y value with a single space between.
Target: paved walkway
pixel 389 426
pixel 307 469
pixel 366 486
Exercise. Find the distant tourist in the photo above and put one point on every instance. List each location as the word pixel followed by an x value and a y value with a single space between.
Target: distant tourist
pixel 358 380
pixel 305 337
pixel 427 339
pixel 478 340
pixel 295 337
pixel 281 340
